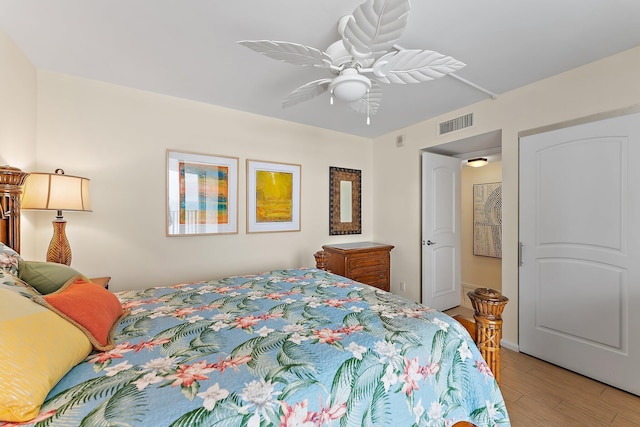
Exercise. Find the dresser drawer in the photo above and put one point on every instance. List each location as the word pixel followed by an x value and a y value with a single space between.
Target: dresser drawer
pixel 379 279
pixel 368 261
pixel 365 262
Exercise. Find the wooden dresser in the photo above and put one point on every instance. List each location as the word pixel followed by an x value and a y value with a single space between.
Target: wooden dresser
pixel 102 281
pixel 365 262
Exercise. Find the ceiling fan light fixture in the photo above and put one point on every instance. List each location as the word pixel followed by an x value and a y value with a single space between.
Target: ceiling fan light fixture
pixel 349 86
pixel 477 162
pixel 365 55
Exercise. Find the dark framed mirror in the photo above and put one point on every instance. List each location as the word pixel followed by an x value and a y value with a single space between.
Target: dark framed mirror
pixel 344 201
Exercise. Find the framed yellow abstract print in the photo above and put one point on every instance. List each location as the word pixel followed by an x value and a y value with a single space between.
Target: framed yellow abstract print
pixel 273 196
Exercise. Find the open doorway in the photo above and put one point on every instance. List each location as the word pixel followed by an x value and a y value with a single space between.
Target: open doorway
pixel 477 268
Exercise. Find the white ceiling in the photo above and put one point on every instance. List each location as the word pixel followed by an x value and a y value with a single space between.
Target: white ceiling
pixel 188 49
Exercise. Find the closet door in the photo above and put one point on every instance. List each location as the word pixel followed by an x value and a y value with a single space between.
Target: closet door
pixel 580 231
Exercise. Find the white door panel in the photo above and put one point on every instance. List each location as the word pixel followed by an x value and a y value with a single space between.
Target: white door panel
pixel 602 303
pixel 580 230
pixel 592 182
pixel 440 231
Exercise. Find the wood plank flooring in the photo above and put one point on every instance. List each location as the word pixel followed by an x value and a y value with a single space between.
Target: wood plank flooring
pixel 538 393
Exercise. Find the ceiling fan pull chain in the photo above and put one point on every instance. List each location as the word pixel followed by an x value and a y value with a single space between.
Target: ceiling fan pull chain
pixel 331 99
pixel 368 104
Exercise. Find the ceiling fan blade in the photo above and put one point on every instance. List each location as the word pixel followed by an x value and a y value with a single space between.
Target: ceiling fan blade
pixel 375 27
pixel 414 66
pixel 292 53
pixel 373 100
pixel 306 92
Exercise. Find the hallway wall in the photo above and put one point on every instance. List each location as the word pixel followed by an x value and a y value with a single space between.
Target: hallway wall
pixel 476 271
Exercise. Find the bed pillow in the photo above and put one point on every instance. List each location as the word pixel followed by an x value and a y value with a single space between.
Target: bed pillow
pixel 9 259
pixel 38 349
pixel 46 277
pixel 90 307
pixel 12 283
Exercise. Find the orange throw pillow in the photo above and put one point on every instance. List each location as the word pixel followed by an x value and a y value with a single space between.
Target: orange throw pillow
pixel 90 307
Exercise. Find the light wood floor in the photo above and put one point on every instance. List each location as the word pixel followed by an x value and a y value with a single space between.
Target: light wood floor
pixel 541 394
pixel 538 393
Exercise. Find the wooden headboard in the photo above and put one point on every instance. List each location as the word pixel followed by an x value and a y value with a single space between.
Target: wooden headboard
pixel 11 181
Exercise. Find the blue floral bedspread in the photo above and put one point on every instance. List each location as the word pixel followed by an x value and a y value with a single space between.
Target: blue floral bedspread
pixel 286 348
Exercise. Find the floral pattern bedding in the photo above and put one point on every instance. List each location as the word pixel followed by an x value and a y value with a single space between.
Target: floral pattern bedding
pixel 300 347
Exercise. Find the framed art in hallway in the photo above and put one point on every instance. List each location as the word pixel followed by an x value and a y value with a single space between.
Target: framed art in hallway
pixel 202 194
pixel 487 219
pixel 273 196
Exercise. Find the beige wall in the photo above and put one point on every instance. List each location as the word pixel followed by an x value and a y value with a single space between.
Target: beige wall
pixel 18 98
pixel 605 85
pixel 118 138
pixel 477 271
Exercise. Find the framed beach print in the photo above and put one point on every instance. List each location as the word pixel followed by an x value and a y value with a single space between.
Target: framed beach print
pixel 273 197
pixel 202 194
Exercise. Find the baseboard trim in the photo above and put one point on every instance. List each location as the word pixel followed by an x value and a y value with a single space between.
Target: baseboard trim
pixel 464 289
pixel 510 345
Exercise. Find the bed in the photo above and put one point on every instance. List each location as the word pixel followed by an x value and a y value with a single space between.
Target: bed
pixel 294 347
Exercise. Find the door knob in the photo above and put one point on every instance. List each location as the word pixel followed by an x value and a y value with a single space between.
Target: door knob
pixel 429 243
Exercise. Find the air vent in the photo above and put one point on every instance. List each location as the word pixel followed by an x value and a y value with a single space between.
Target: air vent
pixel 456 124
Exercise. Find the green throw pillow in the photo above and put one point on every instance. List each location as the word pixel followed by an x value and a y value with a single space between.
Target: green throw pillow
pixel 45 277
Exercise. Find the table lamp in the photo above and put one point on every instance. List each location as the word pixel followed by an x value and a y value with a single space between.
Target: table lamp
pixel 57 192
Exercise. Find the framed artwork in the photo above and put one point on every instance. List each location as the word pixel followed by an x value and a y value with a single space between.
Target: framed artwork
pixel 344 201
pixel 487 219
pixel 202 194
pixel 273 197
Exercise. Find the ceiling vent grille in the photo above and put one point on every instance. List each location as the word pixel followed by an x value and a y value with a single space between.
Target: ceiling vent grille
pixel 456 124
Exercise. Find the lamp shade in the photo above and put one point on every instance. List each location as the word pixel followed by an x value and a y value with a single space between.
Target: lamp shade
pixel 56 192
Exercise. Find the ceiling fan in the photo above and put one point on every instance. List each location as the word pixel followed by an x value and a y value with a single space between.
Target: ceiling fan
pixel 366 56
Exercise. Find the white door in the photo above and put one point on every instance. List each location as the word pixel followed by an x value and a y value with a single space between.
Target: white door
pixel 440 231
pixel 580 230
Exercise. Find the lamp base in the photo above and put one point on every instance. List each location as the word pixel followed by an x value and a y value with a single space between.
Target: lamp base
pixel 59 250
